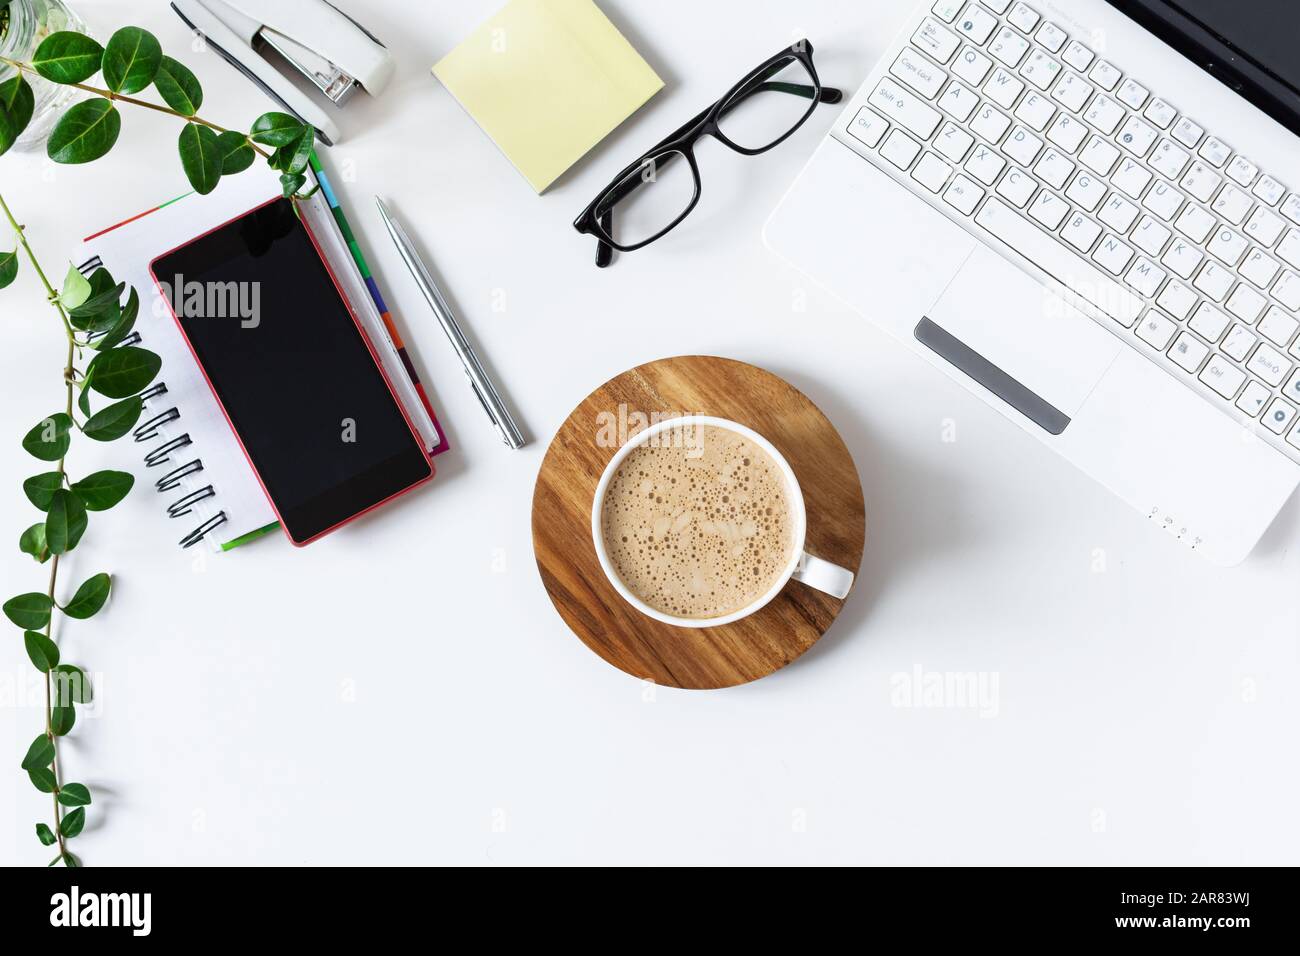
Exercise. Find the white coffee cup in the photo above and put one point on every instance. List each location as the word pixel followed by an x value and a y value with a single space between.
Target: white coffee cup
pixel 811 570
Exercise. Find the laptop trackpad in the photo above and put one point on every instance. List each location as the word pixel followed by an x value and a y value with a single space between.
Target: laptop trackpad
pixel 1018 339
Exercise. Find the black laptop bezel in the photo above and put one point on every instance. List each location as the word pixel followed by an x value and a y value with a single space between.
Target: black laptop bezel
pixel 1231 66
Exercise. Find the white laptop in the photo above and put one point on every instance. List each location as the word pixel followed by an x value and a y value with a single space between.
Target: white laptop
pixel 1083 211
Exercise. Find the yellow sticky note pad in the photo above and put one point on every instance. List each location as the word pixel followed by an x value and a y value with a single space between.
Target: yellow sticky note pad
pixel 547 80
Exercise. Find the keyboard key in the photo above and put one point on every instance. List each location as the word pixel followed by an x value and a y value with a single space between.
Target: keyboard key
pixel 1293 437
pixel 1208 322
pixel 989 123
pixel 1278 416
pixel 1188 132
pixel 1232 204
pixel 1077 55
pixel 1137 137
pixel 1182 258
pixel 1040 70
pixel 900 149
pixel 1023 17
pixel 1118 213
pixel 1214 281
pixel 919 73
pixel 1051 37
pixel 905 108
pixel 1132 94
pixel 1008 47
pixel 1016 187
pixel 1264 227
pixel 1067 132
pixel 1287 291
pixel 868 127
pixel 1169 160
pixel 972 66
pixel 1049 209
pixel 1035 111
pixel 1072 92
pixel 1177 300
pixel 931 172
pixel 1150 236
pixel 1224 378
pixel 1054 169
pixel 1242 171
pixel 1145 277
pixel 1163 200
pixel 953 142
pixel 1131 177
pixel 1259 269
pixel 1105 114
pixel 997 6
pixel 1195 223
pixel 985 164
pixel 1289 248
pixel 1156 330
pixel 977 24
pixel 1291 208
pixel 1087 191
pixel 1238 343
pixel 958 102
pixel 1201 182
pixel 1080 232
pixel 1253 398
pixel 1188 353
pixel 1105 75
pixel 1215 151
pixel 1112 255
pixel 1022 146
pixel 1245 303
pixel 963 195
pixel 1292 389
pixel 938 42
pixel 1269 364
pixel 1269 190
pixel 1003 88
pixel 1099 156
pixel 946 10
pixel 1227 246
pixel 1160 113
pixel 1277 326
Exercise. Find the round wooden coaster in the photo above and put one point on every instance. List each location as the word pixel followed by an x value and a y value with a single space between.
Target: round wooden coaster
pixel 693 657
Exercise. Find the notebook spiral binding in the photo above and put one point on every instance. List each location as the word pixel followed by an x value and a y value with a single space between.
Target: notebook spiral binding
pixel 162 453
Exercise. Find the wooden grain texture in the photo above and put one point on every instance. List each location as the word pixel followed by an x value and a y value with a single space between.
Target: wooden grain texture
pixel 687 657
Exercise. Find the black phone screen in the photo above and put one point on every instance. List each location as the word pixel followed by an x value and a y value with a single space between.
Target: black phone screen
pixel 291 369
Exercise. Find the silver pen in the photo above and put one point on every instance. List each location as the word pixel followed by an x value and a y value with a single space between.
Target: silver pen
pixel 478 379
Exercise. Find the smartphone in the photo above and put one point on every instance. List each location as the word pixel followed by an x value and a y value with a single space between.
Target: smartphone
pixel 292 369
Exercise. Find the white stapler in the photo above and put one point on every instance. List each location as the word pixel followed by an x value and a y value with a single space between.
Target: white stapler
pixel 315 37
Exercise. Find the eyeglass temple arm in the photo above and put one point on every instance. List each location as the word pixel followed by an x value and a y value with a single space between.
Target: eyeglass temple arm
pixel 604 251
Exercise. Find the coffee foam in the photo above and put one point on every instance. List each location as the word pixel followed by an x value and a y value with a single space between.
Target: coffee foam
pixel 701 528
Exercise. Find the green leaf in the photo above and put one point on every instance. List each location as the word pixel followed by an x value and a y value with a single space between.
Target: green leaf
pixel 65 522
pixel 113 422
pixel 30 611
pixel 73 823
pixel 17 103
pixel 42 779
pixel 62 719
pixel 8 267
pixel 74 795
pixel 49 439
pixel 121 328
pixel 236 154
pixel 70 861
pixel 83 400
pixel 119 373
pixel 276 129
pixel 90 597
pixel 44 653
pixel 39 754
pixel 32 541
pixel 40 488
pixel 97 305
pixel 85 132
pixel 290 183
pixel 103 489
pixel 76 288
pixel 301 153
pixel 200 157
pixel 178 87
pixel 71 685
pixel 44 834
pixel 131 60
pixel 67 57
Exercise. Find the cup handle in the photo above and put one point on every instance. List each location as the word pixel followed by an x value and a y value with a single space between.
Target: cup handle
pixel 824 576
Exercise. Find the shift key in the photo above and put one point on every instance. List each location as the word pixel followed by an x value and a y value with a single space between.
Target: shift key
pixel 905 108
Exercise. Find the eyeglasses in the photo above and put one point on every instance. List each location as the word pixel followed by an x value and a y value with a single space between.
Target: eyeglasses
pixel 659 190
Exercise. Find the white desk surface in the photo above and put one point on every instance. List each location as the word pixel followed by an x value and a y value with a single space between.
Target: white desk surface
pixel 402 691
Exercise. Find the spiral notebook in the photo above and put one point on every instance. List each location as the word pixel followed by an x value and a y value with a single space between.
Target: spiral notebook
pixel 191 458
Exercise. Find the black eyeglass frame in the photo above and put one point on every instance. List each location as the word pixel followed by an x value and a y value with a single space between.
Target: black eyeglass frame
pixel 597 218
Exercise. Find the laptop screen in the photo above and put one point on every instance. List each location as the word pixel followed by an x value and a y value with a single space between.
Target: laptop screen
pixel 1263 31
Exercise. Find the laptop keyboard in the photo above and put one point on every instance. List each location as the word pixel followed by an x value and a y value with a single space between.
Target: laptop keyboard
pixel 1019 128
